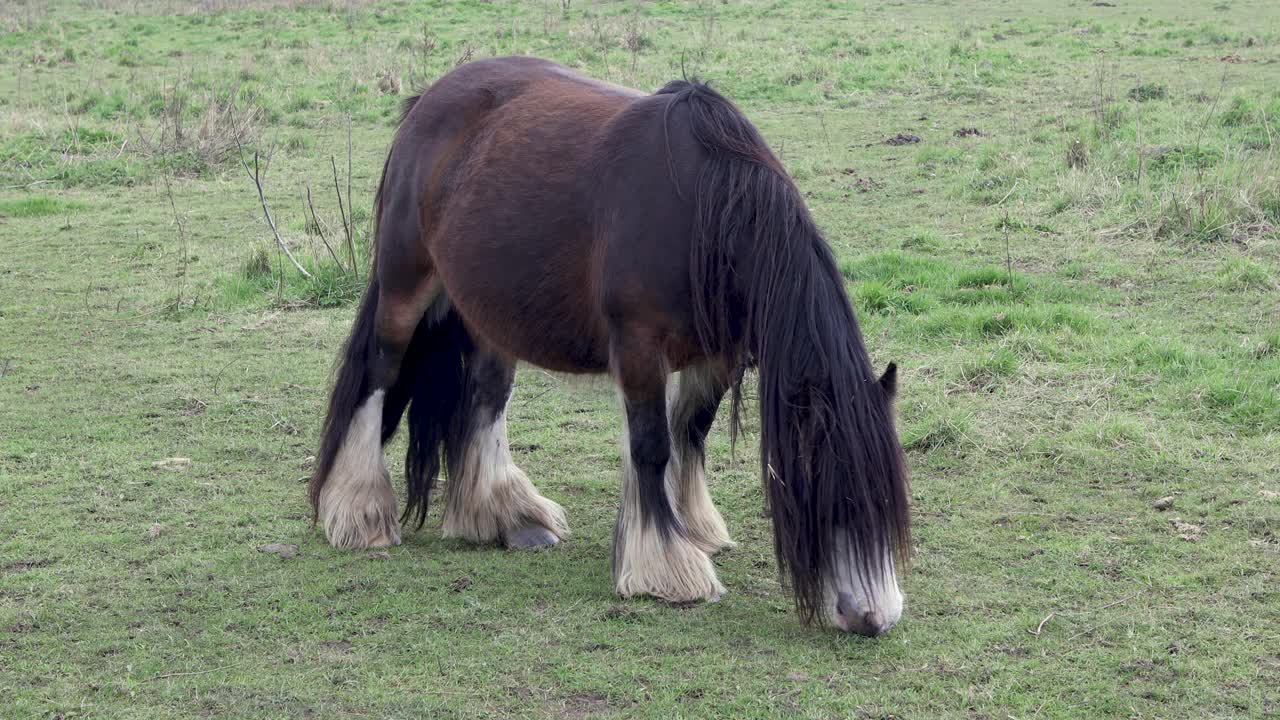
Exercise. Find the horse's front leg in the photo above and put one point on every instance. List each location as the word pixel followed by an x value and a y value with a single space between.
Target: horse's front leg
pixel 693 395
pixel 490 499
pixel 652 551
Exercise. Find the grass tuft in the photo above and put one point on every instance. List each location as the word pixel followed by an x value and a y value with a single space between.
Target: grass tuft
pixel 1148 91
pixel 37 206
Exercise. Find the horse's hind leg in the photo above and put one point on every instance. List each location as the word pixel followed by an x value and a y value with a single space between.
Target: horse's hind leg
pixel 351 489
pixel 653 553
pixel 489 498
pixel 693 396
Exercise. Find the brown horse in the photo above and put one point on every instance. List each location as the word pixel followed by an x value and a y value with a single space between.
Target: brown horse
pixel 529 213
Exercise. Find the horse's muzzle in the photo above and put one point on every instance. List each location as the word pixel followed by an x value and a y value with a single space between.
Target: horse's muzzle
pixel 848 618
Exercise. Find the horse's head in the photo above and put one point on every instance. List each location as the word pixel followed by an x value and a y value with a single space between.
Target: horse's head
pixel 841 521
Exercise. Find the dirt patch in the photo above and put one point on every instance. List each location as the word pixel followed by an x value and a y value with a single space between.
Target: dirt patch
pixel 863 184
pixel 867 184
pixel 968 132
pixel 461 583
pixel 585 705
pixel 1265 544
pixel 619 612
pixel 23 565
pixel 1187 531
pixel 1244 234
pixel 261 322
pixel 903 139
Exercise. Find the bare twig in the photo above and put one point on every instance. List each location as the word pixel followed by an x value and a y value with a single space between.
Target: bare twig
pixel 1212 108
pixel 1010 193
pixel 262 198
pixel 189 674
pixel 1117 602
pixel 182 234
pixel 351 246
pixel 350 202
pixel 1087 630
pixel 315 220
pixel 1008 257
pixel 1040 627
pixel 1137 114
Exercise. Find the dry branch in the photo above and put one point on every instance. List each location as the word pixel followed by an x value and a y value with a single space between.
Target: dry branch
pixel 351 246
pixel 262 198
pixel 315 220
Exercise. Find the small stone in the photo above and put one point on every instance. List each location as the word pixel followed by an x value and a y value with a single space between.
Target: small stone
pixel 797 676
pixel 285 551
pixel 1163 503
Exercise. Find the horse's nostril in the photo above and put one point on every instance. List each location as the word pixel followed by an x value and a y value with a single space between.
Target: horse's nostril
pixel 845 609
pixel 875 624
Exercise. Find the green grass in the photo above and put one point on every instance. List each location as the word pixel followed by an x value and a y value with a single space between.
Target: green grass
pixel 37 206
pixel 1081 298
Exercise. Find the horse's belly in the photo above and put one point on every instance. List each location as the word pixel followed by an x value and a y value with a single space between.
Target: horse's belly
pixel 528 298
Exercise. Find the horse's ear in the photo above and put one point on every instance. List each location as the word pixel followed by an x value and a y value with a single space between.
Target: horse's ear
pixel 889 380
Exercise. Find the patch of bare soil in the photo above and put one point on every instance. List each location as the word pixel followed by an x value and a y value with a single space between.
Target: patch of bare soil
pixel 903 139
pixel 1187 531
pixel 585 705
pixel 22 565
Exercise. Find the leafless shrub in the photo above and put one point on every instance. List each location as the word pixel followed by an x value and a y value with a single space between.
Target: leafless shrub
pixel 389 82
pixel 635 38
pixel 222 127
pixel 468 52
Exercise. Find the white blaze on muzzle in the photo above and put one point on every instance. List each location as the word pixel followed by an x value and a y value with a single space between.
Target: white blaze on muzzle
pixel 863 600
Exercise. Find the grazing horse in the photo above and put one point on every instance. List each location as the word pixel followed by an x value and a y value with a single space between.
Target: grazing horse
pixel 528 213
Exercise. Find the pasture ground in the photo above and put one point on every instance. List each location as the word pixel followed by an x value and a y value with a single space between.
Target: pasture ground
pixel 1076 267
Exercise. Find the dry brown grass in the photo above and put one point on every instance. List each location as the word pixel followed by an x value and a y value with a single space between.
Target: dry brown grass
pixel 223 126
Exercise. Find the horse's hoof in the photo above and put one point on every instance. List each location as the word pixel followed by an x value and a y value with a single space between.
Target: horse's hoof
pixel 531 536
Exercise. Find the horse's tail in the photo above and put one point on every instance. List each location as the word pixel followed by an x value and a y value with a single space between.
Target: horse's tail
pixel 350 389
pixel 432 378
pixel 768 293
pixel 429 384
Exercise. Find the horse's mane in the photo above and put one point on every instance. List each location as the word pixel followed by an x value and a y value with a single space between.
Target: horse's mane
pixel 768 294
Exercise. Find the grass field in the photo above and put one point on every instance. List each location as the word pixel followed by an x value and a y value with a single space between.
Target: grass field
pixel 1077 267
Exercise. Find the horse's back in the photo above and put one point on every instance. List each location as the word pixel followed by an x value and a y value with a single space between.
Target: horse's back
pixel 548 207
